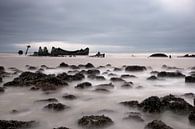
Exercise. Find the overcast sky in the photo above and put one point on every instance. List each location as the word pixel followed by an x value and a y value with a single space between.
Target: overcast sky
pixel 105 25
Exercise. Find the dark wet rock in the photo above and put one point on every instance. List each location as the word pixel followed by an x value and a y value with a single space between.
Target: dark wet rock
pixel 1 79
pixel 191 117
pixel 32 68
pixel 175 104
pixel 105 111
pixel 135 68
pixel 15 70
pixel 69 97
pixel 152 78
pixel 128 76
pixel 116 79
pixel 44 67
pixel 117 69
pixel 84 85
pixel 74 67
pixel 73 71
pixel 108 65
pixel 91 122
pixel 154 72
pixel 13 124
pixel 56 107
pixel 2 69
pixel 47 100
pixel 94 77
pixel 108 85
pixel 89 65
pixel 2 89
pixel 61 128
pixel 112 74
pixel 157 124
pixel 170 74
pixel 34 88
pixel 93 72
pixel 3 73
pixel 190 79
pixel 102 90
pixel 151 105
pixel 69 78
pixel 40 80
pixel 127 85
pixel 131 104
pixel 63 65
pixel 158 55
pixel 136 116
pixel 189 95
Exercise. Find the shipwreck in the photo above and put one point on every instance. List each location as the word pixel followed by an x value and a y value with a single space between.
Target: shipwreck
pixel 60 52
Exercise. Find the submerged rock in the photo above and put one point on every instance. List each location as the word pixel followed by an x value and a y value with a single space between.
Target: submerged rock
pixel 116 79
pixel 108 85
pixel 1 79
pixel 48 100
pixel 69 97
pixel 117 69
pixel 127 85
pixel 91 122
pixel 128 76
pixel 93 72
pixel 84 85
pixel 131 104
pixel 95 77
pixel 56 107
pixel 89 65
pixel 2 89
pixel 102 90
pixel 170 74
pixel 61 128
pixel 191 117
pixel 157 124
pixel 69 78
pixel 190 79
pixel 152 78
pixel 13 124
pixel 136 116
pixel 135 68
pixel 63 65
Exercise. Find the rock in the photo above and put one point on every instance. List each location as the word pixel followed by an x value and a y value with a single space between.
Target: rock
pixel 69 78
pixel 116 79
pixel 131 104
pixel 34 88
pixel 127 85
pixel 190 79
pixel 151 105
pixel 1 79
pixel 40 80
pixel 135 68
pixel 89 65
pixel 128 76
pixel 170 74
pixel 109 85
pixel 32 68
pixel 189 95
pixel 56 107
pixel 117 69
pixel 13 124
pixel 93 72
pixel 102 90
pixel 112 74
pixel 2 89
pixel 136 116
pixel 74 67
pixel 63 65
pixel 84 85
pixel 108 65
pixel 191 117
pixel 91 122
pixel 2 69
pixel 152 78
pixel 158 55
pixel 61 128
pixel 157 124
pixel 175 104
pixel 48 100
pixel 94 77
pixel 69 97
pixel 169 67
pixel 154 72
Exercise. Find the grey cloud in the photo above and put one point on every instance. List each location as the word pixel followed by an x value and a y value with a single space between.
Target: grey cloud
pixel 134 24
